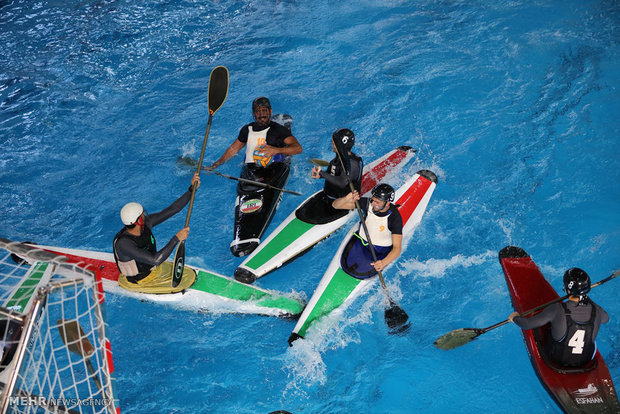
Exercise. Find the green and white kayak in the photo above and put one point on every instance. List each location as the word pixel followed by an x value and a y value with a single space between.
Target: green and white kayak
pixel 210 291
pixel 337 288
pixel 295 236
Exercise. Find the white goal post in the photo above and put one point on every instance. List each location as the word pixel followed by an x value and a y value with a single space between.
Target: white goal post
pixel 55 355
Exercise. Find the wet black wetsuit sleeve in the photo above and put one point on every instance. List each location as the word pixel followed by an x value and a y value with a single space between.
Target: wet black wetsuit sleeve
pixel 602 314
pixel 174 208
pixel 553 314
pixel 341 181
pixel 601 318
pixel 126 250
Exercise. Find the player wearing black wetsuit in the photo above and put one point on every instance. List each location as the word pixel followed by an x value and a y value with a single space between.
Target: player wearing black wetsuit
pixel 134 246
pixel 574 324
pixel 318 209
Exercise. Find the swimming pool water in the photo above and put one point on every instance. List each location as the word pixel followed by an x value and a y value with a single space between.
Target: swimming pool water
pixel 513 105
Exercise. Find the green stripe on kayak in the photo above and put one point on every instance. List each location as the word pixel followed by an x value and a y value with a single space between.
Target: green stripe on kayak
pixel 221 286
pixel 294 230
pixel 337 291
pixel 23 294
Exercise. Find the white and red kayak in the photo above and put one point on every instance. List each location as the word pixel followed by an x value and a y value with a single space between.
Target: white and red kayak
pixel 209 292
pixel 297 235
pixel 583 390
pixel 337 287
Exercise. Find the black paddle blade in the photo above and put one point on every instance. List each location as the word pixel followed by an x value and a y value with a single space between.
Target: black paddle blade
pixel 218 88
pixel 179 264
pixel 397 319
pixel 187 161
pixel 457 338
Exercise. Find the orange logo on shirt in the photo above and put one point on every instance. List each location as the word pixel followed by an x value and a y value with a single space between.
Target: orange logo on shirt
pixel 381 228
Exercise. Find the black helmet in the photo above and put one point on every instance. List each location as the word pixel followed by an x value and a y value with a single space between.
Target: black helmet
pixel 383 192
pixel 576 282
pixel 344 136
pixel 260 101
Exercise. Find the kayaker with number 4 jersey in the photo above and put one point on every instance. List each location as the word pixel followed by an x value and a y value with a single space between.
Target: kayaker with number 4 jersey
pixel 385 225
pixel 135 250
pixel 574 324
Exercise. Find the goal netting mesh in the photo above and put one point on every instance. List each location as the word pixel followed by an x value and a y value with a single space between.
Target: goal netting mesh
pixel 54 352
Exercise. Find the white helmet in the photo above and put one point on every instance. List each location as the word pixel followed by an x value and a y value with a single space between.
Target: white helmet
pixel 130 213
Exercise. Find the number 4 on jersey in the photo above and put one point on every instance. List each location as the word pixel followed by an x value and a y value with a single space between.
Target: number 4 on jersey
pixel 577 341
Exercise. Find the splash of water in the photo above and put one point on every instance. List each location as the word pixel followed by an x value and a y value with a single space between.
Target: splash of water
pixel 438 267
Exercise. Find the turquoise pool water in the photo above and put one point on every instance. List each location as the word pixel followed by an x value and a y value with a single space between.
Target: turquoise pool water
pixel 513 105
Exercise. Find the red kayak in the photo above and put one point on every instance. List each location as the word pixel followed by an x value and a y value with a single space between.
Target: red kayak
pixel 582 390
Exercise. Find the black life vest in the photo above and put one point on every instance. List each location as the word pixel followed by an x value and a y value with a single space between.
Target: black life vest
pixel 577 347
pixel 145 241
pixel 334 168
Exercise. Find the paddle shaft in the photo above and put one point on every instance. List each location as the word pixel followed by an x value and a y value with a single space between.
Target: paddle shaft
pixel 245 180
pixel 544 305
pixel 218 90
pixel 202 155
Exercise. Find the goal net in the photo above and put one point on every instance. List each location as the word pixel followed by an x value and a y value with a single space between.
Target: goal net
pixel 54 352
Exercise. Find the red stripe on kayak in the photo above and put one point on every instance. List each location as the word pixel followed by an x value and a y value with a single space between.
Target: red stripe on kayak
pixel 102 268
pixel 371 178
pixel 412 197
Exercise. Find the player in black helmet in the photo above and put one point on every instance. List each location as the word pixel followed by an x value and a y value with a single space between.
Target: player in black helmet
pixel 574 323
pixel 318 209
pixel 265 141
pixel 336 183
pixel 385 225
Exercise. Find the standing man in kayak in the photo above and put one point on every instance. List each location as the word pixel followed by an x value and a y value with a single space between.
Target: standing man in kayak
pixel 574 324
pixel 135 250
pixel 385 225
pixel 265 141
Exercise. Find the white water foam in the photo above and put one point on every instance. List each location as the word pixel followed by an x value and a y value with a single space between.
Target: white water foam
pixel 438 267
pixel 189 148
pixel 304 362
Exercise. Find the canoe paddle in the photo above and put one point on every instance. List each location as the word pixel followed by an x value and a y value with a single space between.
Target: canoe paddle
pixel 218 90
pixel 76 340
pixel 245 180
pixel 395 316
pixel 460 337
pixel 191 162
